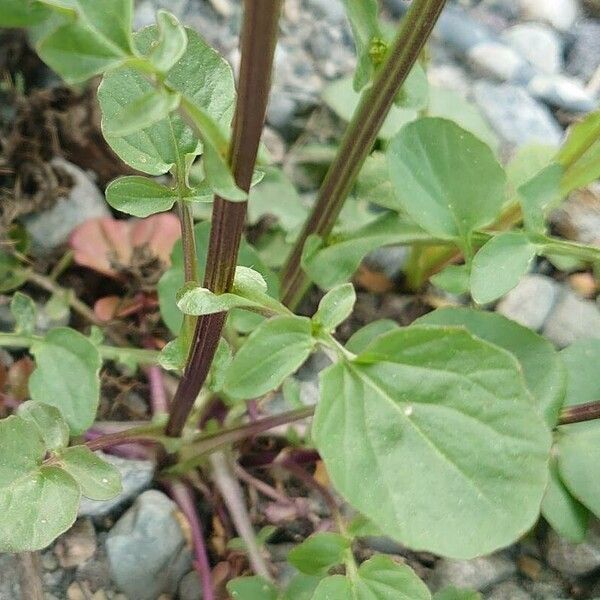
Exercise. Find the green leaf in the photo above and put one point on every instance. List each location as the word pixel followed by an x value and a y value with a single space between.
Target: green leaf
pixel 195 300
pixel 379 578
pixel 566 514
pixel 21 13
pixel 581 360
pixel 140 196
pixel 409 400
pixel 578 458
pixel 414 94
pixel 541 365
pixel 330 588
pixel 539 195
pixel 453 279
pixel 448 104
pixel 149 108
pixel 12 275
pixel 578 445
pixel 251 588
pixel 24 311
pixel 37 502
pixel 374 185
pixel 363 337
pixel 173 355
pixel 66 376
pixel 274 350
pixel 171 44
pixel 453 593
pixel 527 162
pixel 98 479
pixel 220 364
pixel 336 262
pixel 48 422
pixel 276 195
pixel 447 180
pixel 111 20
pixel 201 74
pixel 580 154
pixel 364 20
pixel 319 552
pixel 341 98
pixel 499 265
pixel 301 587
pixel 335 307
pixel 77 53
pixel 173 279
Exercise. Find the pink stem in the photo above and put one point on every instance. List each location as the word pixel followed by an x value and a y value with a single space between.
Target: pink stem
pixel 184 497
pixel 158 396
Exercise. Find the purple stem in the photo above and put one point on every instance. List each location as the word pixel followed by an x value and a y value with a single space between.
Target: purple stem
pixel 183 495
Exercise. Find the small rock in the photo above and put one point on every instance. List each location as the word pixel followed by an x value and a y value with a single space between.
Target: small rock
pixel 572 319
pixel 389 260
pixel 539 44
pixel 477 574
pixel 561 14
pixel 189 588
pixel 449 76
pixel 583 284
pixel 136 475
pixel 457 29
pixel 10 588
pixel 583 57
pixel 50 228
pixel 516 116
pixel 560 91
pixel 509 590
pixel 548 586
pixel 531 301
pixel 574 560
pixel 146 548
pixel 77 545
pixel 578 218
pixel 498 60
pixel 281 110
pixel 332 10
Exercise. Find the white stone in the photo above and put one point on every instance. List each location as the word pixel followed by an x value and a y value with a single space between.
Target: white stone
pixel 496 59
pixel 561 14
pixel 538 44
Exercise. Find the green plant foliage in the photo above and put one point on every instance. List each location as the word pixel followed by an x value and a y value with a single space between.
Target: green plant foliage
pixel 540 363
pixel 301 587
pixel 527 162
pixel 453 593
pixel 12 276
pixel 251 588
pixel 41 481
pixel 21 13
pixel 578 445
pixel 374 185
pixel 62 351
pixel 201 76
pixel 24 312
pixel 446 180
pixel 453 279
pixel 334 263
pixel 364 20
pixel 47 420
pixel 499 265
pixel 171 44
pixel 580 155
pixel 341 98
pixel 565 513
pixel 173 279
pixel 335 307
pixel 97 479
pixel 363 337
pixel 539 195
pixel 318 553
pixel 140 196
pixel 274 350
pixel 406 400
pixel 379 578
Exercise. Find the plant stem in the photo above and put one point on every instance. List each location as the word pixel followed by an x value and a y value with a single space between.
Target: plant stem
pixel 138 355
pixel 148 433
pixel 580 413
pixel 30 578
pixel 234 499
pixel 258 39
pixel 194 452
pixel 183 495
pixel 360 137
